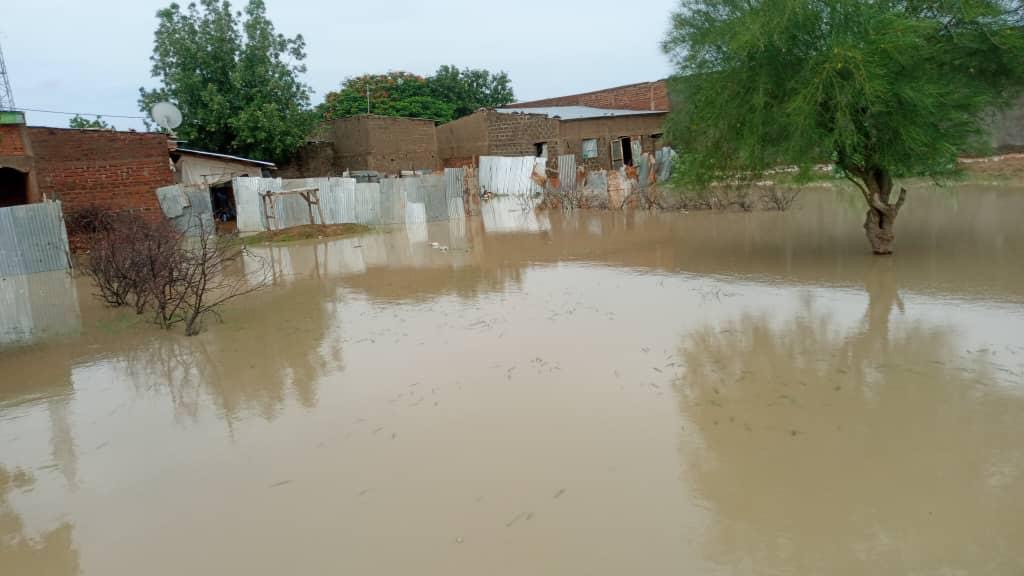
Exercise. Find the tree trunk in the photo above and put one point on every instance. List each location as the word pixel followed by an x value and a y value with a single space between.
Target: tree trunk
pixel 879 225
pixel 879 229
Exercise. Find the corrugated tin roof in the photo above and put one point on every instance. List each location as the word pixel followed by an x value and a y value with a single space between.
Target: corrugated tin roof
pixel 577 112
pixel 224 157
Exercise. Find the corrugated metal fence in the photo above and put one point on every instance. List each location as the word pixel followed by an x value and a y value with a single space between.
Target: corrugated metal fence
pixel 567 172
pixel 411 200
pixel 187 207
pixel 33 239
pixel 512 176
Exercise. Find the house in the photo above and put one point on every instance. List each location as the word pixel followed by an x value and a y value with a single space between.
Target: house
pixel 214 172
pixel 84 169
pixel 367 142
pixel 600 138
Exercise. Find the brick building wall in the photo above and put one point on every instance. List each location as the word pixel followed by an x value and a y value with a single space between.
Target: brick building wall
pixel 384 143
pixel 461 142
pixel 642 96
pixel 11 143
pixel 116 171
pixel 519 134
pixel 572 133
pixel 397 144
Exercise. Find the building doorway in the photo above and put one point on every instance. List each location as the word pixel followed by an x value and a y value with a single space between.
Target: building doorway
pixel 623 152
pixel 222 199
pixel 13 187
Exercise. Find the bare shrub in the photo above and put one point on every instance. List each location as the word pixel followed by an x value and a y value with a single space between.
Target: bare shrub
pixel 179 278
pixel 118 261
pixel 776 198
pixel 207 280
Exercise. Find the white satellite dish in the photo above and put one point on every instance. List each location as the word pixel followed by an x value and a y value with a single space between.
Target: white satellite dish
pixel 166 115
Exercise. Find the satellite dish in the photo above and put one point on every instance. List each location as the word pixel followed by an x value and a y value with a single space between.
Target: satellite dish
pixel 166 115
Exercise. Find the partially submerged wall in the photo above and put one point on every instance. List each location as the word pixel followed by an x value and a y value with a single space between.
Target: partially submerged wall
pixel 412 200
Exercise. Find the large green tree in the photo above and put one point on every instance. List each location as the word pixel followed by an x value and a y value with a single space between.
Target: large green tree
pixel 881 88
pixel 449 94
pixel 470 89
pixel 391 94
pixel 236 80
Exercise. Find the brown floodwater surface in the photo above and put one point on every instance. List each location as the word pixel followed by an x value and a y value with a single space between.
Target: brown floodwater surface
pixel 583 393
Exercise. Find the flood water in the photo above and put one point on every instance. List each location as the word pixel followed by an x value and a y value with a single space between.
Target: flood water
pixel 588 393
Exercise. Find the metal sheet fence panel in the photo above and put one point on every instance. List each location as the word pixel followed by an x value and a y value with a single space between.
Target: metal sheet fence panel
pixel 249 203
pixel 663 158
pixel 597 182
pixel 33 239
pixel 333 193
pixel 567 172
pixel 415 205
pixel 367 199
pixel 392 201
pixel 643 170
pixel 34 307
pixel 434 196
pixel 455 190
pixel 505 175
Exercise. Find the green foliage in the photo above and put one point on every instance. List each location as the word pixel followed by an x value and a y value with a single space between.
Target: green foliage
pixel 391 94
pixel 879 87
pixel 234 78
pixel 469 89
pixel 450 93
pixel 82 122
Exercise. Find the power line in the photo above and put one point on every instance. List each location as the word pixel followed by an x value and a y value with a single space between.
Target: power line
pixel 79 113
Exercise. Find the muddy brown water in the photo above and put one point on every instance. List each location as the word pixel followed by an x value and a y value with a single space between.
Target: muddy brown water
pixel 554 394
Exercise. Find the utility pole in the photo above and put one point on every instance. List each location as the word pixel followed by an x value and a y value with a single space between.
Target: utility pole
pixel 367 94
pixel 6 97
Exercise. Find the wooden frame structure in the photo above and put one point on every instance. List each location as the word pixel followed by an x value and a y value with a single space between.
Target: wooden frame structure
pixel 310 195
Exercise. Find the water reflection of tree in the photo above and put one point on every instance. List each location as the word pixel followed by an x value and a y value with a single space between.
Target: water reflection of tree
pixel 50 553
pixel 281 344
pixel 876 451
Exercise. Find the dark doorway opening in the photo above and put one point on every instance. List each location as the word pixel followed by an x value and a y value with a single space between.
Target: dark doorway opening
pixel 627 151
pixel 13 187
pixel 222 197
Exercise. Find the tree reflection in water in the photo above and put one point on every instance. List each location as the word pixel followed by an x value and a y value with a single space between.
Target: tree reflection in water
pixel 880 449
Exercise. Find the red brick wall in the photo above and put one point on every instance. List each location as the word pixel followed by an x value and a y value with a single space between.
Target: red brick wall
pixel 643 96
pixel 10 140
pixel 118 171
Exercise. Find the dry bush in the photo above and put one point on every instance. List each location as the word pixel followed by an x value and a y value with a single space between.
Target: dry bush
pixel 776 198
pixel 207 280
pixel 180 279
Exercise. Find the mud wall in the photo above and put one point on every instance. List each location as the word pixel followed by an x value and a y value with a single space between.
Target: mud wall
pixel 572 133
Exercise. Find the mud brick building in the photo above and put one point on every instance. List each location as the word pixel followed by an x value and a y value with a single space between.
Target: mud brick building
pixel 114 171
pixel 384 144
pixel 599 138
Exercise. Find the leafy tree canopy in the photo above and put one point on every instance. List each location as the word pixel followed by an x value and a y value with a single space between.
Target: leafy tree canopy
pixel 450 93
pixel 882 88
pixel 79 121
pixel 234 78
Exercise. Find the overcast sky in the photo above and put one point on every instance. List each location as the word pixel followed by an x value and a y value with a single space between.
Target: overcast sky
pixel 93 56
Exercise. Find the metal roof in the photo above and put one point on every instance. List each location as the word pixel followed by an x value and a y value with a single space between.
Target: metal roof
pixel 577 112
pixel 224 157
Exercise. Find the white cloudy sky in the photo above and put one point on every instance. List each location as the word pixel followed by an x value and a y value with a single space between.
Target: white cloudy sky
pixel 91 56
